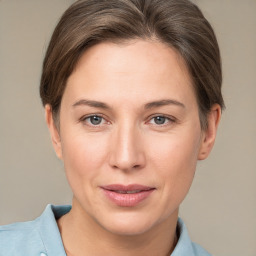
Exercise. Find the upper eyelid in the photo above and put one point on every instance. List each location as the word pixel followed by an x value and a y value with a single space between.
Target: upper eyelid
pixel 90 115
pixel 171 118
pixel 83 120
pixel 170 121
pixel 162 115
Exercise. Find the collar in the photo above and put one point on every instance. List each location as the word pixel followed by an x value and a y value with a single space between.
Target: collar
pixel 51 237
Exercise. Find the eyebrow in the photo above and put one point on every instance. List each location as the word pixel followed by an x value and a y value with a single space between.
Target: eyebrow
pixel 150 105
pixel 91 103
pixel 160 103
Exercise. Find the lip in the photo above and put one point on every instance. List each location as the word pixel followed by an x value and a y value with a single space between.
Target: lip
pixel 127 195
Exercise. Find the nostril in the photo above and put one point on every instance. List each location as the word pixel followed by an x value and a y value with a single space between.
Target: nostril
pixel 137 166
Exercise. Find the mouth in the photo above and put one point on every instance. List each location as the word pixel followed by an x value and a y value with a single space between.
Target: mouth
pixel 128 192
pixel 127 196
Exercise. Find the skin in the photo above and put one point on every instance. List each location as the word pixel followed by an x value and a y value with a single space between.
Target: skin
pixel 128 146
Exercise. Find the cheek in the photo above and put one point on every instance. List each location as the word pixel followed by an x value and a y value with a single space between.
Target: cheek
pixel 174 158
pixel 83 155
pixel 176 153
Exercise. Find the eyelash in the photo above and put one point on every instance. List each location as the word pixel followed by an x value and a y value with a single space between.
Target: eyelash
pixel 85 118
pixel 168 119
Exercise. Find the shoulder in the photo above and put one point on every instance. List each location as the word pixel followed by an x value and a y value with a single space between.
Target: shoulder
pixel 199 251
pixel 16 238
pixel 38 237
pixel 185 246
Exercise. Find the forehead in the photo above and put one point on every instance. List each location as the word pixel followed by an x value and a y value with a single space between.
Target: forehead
pixel 135 69
pixel 133 55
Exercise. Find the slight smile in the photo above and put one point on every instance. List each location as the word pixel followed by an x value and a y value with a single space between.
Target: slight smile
pixel 127 195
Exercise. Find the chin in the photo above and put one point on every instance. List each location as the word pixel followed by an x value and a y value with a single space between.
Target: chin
pixel 129 229
pixel 128 224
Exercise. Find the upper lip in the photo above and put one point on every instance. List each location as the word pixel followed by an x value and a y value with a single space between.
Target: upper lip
pixel 131 187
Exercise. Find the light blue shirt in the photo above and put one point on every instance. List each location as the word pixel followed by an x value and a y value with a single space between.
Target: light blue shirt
pixel 41 237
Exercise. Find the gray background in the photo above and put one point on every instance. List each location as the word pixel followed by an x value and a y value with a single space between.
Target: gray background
pixel 220 210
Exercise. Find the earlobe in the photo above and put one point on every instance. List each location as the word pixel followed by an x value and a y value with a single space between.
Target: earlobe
pixel 209 135
pixel 55 136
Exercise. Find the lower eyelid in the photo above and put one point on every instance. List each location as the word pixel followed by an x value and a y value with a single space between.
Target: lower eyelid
pixel 85 119
pixel 168 119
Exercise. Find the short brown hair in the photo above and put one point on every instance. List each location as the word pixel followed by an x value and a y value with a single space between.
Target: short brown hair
pixel 177 23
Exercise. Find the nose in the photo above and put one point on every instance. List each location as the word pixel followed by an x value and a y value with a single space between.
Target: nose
pixel 127 149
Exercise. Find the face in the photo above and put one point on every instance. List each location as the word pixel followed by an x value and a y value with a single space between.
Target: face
pixel 130 135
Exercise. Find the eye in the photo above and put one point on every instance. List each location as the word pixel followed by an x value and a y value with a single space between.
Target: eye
pixel 93 120
pixel 160 120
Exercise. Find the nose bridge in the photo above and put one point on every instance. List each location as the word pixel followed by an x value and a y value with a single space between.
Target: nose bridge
pixel 127 151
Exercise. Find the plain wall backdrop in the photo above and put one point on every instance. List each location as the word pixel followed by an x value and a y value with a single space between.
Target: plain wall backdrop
pixel 220 210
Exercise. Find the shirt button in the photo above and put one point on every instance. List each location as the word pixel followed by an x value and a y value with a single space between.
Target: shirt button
pixel 43 254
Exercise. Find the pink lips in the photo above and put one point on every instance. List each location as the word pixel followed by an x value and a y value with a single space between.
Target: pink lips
pixel 127 196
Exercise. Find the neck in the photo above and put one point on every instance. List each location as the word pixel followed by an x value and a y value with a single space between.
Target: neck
pixel 82 235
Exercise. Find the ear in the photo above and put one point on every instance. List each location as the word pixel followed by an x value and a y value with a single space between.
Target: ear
pixel 55 136
pixel 209 134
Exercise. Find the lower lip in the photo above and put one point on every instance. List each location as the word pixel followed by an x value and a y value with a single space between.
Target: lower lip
pixel 127 200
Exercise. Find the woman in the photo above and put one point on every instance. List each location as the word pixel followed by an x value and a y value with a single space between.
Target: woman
pixel 132 97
